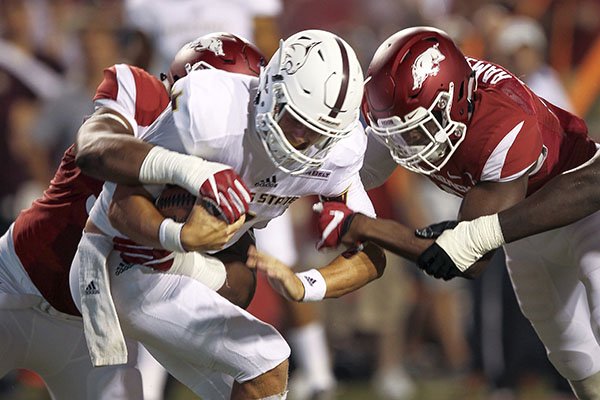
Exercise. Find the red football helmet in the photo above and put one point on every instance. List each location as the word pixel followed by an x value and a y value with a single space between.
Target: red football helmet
pixel 218 50
pixel 417 98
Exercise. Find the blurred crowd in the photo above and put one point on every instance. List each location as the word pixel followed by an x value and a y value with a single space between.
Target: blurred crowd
pixel 397 332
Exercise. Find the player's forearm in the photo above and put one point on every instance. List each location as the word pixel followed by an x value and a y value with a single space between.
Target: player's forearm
pixel 390 235
pixel 136 217
pixel 114 158
pixel 565 199
pixel 345 275
pixel 106 149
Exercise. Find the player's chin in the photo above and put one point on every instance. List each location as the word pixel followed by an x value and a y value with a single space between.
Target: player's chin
pixel 240 285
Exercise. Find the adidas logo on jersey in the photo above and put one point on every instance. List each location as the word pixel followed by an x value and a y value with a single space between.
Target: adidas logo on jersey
pixel 91 289
pixel 267 182
pixel 311 281
pixel 123 266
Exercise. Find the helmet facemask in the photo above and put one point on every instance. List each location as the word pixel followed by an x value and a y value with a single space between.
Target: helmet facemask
pixel 285 156
pixel 426 139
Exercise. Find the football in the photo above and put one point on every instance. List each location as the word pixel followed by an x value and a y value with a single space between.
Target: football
pixel 175 202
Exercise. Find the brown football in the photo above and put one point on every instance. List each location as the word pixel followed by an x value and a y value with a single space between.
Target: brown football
pixel 175 202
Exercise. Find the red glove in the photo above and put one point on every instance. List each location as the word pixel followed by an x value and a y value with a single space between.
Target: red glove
pixel 133 253
pixel 334 221
pixel 225 195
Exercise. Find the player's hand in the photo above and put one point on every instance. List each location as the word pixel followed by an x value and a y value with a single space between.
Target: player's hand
pixel 280 276
pixel 204 232
pixel 433 231
pixel 436 262
pixel 225 195
pixel 133 253
pixel 334 223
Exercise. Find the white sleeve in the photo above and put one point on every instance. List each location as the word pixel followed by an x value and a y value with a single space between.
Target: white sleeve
pixel 357 198
pixel 277 239
pixel 378 164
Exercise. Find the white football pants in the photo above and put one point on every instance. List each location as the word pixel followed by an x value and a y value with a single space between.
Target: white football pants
pixel 556 277
pixel 35 336
pixel 201 338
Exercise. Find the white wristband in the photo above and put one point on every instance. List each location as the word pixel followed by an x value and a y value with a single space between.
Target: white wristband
pixel 169 235
pixel 205 269
pixel 314 285
pixel 471 240
pixel 164 166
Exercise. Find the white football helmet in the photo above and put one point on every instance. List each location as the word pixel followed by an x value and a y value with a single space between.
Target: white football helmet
pixel 316 80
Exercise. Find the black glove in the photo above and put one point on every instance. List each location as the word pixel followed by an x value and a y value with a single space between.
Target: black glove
pixel 434 230
pixel 435 261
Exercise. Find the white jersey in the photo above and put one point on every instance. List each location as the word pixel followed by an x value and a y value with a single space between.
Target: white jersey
pixel 212 118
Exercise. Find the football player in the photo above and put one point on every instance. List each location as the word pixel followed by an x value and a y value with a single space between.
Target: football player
pixel 41 327
pixel 479 132
pixel 297 125
pixel 458 249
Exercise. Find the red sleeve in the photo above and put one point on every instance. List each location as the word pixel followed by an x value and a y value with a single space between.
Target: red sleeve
pixel 134 91
pixel 151 97
pixel 109 87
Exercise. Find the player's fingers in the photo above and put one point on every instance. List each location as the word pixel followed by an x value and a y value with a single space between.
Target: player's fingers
pixel 237 224
pixel 163 266
pixel 148 253
pixel 434 230
pixel 209 189
pixel 162 255
pixel 123 241
pixel 426 258
pixel 227 209
pixel 440 270
pixel 243 191
pixel 133 260
pixel 237 202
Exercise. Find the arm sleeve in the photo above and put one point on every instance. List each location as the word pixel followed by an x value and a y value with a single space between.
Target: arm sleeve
pixel 378 164
pixel 132 92
pixel 116 91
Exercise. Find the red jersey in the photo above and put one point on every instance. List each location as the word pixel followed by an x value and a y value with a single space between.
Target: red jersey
pixel 511 130
pixel 46 235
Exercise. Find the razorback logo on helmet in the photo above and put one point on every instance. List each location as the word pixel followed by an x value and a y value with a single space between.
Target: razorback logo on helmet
pixel 296 55
pixel 214 45
pixel 211 44
pixel 426 64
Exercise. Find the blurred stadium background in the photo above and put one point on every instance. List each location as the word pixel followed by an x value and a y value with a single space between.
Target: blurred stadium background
pixel 403 337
